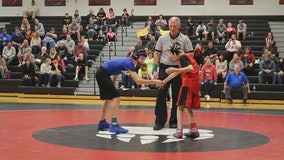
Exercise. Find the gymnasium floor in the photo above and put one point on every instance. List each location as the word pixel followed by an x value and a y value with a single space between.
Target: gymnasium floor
pixel 53 130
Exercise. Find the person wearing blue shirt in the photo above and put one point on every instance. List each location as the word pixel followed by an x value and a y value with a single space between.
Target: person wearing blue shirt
pixel 109 93
pixel 236 81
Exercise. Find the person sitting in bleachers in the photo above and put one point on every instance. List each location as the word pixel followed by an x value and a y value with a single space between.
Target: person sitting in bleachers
pixel 50 38
pixel 62 35
pixel 5 38
pixel 31 11
pixel 61 63
pixel 35 43
pixel 232 46
pixel 230 30
pixel 269 39
pixel 161 22
pixel 92 28
pixel 81 66
pixel 62 50
pixel 201 32
pixel 220 29
pixel 41 56
pixel 110 21
pixel 125 18
pixel 74 29
pixel 22 51
pixel 85 43
pixel 56 77
pixel 190 27
pixel 241 30
pixel 236 60
pixel 110 36
pixel 268 48
pixel 211 29
pixel 66 21
pixel 248 60
pixel 17 30
pixel 151 44
pixel 17 40
pixel 150 25
pixel 28 35
pixel 39 27
pixel 9 53
pixel 150 60
pixel 101 37
pixel 91 16
pixel 221 66
pixel 267 70
pixel 31 57
pixel 145 73
pixel 45 70
pixel 70 44
pixel 281 70
pixel 211 51
pixel 77 18
pixel 52 54
pixel 79 48
pixel 199 53
pixel 101 15
pixel 139 45
pixel 28 73
pixel 208 77
pixel 3 68
pixel 25 26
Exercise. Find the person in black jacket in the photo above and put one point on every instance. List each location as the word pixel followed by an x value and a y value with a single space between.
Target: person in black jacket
pixel 28 73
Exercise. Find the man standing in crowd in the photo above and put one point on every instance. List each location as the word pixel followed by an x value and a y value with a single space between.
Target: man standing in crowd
pixel 162 60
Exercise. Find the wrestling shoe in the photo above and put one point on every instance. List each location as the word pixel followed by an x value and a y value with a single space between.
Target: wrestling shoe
pixel 103 125
pixel 117 129
pixel 192 134
pixel 178 134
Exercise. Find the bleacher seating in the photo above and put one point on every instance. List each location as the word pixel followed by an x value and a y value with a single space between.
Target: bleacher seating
pixel 256 24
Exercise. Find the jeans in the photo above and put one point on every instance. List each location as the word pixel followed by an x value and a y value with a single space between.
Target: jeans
pixel 208 86
pixel 271 75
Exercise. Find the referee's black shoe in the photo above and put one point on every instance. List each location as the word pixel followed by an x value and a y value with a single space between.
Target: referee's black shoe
pixel 157 127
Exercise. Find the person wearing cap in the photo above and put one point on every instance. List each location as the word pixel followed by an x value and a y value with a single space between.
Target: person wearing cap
pixel 31 11
pixel 50 38
pixel 4 39
pixel 236 81
pixel 9 53
pixel 108 91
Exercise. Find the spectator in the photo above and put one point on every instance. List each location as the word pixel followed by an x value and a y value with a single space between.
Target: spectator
pixel 56 77
pixel 211 51
pixel 190 27
pixel 52 54
pixel 236 81
pixel 62 35
pixel 45 70
pixel 41 56
pixel 101 37
pixel 211 29
pixel 35 43
pixel 150 25
pixel 28 35
pixel 70 44
pixel 66 21
pixel 232 46
pixel 50 38
pixel 101 15
pixel 248 60
pixel 236 60
pixel 268 48
pixel 74 29
pixel 77 18
pixel 149 60
pixel 208 77
pixel 62 50
pixel 281 70
pixel 241 30
pixel 28 73
pixel 139 45
pixel 5 38
pixel 85 43
pixel 91 29
pixel 201 32
pixel 22 51
pixel 221 28
pixel 3 68
pixel 9 53
pixel 144 73
pixel 270 39
pixel 17 29
pixel 31 57
pixel 25 25
pixel 91 16
pixel 130 52
pixel 31 11
pixel 125 18
pixel 110 21
pixel 81 66
pixel 151 44
pixel 267 70
pixel 221 66
pixel 17 40
pixel 61 63
pixel 199 54
pixel 39 28
pixel 161 22
pixel 80 48
pixel 230 30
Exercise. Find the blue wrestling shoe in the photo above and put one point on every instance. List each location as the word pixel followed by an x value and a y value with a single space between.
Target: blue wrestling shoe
pixel 192 134
pixel 117 129
pixel 103 125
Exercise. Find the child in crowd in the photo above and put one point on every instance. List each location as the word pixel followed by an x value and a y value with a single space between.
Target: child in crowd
pixel 81 64
pixel 45 69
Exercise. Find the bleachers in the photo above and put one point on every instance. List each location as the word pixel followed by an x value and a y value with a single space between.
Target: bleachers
pixel 256 24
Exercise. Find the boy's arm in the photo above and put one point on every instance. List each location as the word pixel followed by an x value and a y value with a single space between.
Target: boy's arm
pixel 141 81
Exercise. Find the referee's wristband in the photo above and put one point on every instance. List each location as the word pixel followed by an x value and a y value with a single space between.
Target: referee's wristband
pixel 155 67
